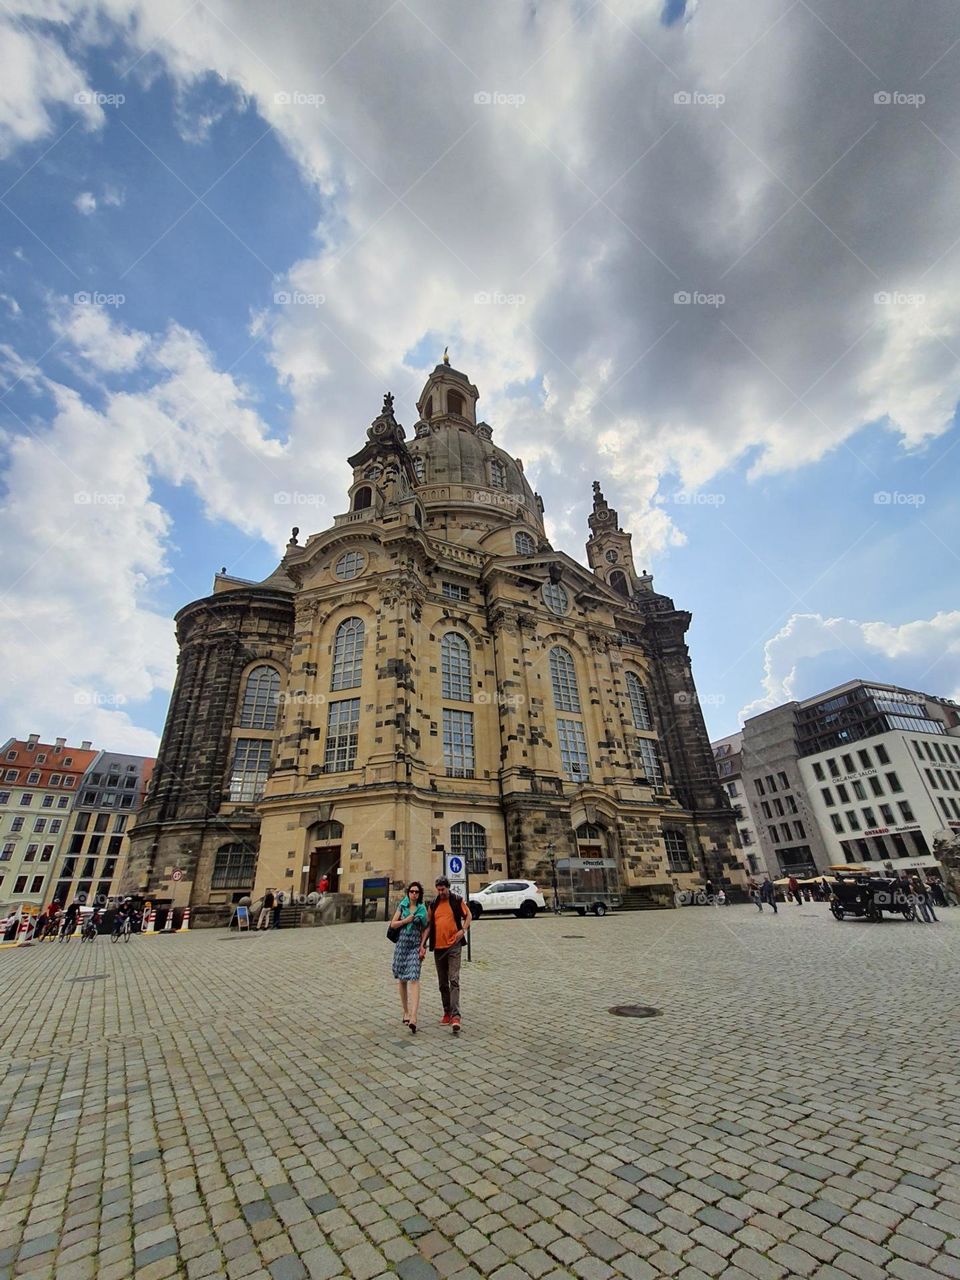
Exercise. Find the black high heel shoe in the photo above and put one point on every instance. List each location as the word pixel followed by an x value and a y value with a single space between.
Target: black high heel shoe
pixel 413 1027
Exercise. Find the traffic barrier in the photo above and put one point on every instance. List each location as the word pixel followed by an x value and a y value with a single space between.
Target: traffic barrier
pixel 185 922
pixel 168 923
pixel 151 925
pixel 24 930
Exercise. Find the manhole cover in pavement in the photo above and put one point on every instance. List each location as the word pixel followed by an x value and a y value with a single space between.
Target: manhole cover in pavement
pixel 573 935
pixel 634 1011
pixel 93 977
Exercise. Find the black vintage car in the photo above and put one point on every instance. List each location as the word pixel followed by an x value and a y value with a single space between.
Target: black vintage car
pixel 869 896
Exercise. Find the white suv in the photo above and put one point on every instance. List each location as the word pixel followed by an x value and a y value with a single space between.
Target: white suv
pixel 522 897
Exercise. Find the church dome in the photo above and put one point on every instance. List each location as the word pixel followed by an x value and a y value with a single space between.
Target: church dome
pixel 451 448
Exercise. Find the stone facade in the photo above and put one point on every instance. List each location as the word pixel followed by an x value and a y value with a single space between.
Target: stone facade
pixel 447 681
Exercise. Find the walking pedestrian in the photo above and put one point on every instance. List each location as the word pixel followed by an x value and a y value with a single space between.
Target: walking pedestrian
pixel 410 918
pixel 266 910
pixel 448 920
pixel 277 908
pixel 924 901
pixel 793 887
pixel 755 897
pixel 939 897
pixel 768 894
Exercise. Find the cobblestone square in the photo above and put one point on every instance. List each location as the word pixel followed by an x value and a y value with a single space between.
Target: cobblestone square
pixel 206 1105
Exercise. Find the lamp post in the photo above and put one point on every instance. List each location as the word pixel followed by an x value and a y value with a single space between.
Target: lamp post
pixel 553 872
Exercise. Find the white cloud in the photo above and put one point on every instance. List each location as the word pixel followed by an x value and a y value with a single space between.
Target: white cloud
pixel 35 76
pixel 923 654
pixel 85 203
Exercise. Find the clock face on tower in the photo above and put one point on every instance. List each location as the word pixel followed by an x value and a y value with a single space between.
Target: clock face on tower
pixel 612 557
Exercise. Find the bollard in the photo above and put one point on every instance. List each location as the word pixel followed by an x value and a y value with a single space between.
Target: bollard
pixel 185 922
pixel 168 923
pixel 23 930
pixel 151 924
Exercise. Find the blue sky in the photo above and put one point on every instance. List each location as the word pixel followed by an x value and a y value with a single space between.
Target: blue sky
pixel 386 163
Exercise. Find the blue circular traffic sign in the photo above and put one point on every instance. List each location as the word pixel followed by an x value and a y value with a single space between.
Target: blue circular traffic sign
pixel 456 865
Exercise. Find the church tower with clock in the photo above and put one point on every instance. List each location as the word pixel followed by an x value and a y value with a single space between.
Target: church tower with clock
pixel 428 675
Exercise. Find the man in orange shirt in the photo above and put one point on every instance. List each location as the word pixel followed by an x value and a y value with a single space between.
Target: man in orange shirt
pixel 448 919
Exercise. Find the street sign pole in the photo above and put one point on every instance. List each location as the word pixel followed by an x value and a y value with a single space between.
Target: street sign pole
pixel 455 869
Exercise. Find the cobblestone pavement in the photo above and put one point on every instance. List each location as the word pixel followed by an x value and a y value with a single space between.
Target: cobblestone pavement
pixel 205 1105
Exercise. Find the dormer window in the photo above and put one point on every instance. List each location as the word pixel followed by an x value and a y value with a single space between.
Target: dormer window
pixel 455 403
pixel 363 498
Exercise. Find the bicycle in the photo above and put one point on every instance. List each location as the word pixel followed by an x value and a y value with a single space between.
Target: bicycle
pixel 68 927
pixel 122 929
pixel 90 931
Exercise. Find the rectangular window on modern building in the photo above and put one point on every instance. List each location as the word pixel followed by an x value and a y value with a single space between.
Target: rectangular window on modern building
pixel 771 782
pixel 20 884
pixel 842 793
pixel 837 822
pixel 876 786
pixel 778 806
pixel 46 853
pixel 783 780
pixel 853 822
pixel 458 746
pixel 120 822
pixel 893 782
pixel 17 823
pixel 827 795
pixel 930 778
pixel 792 805
pixel 886 813
pixel 101 823
pixel 864 758
pixel 859 790
pixel 765 809
pixel 906 812
pixel 869 817
pixel 832 766
pixel 798 831
pixel 343 735
pixel 759 785
pixel 251 767
pixel 82 821
pixel 650 761
pixel 847 762
pixel 818 772
pixel 772 832
pixel 36 884
pixel 114 845
pixel 76 843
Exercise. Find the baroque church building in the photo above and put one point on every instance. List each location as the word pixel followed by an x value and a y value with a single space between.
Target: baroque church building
pixel 428 675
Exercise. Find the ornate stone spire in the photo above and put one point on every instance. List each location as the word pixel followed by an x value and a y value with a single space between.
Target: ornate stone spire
pixel 603 517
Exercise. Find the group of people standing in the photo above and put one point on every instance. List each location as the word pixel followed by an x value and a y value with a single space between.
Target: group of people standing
pixel 442 926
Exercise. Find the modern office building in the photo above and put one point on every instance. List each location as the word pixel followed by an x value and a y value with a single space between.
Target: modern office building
pixel 39 782
pixel 864 773
pixel 728 754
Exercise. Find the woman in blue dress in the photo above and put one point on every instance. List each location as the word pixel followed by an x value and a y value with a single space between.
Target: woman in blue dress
pixel 411 918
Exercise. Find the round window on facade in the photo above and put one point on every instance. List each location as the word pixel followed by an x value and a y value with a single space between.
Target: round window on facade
pixel 612 557
pixel 350 565
pixel 555 598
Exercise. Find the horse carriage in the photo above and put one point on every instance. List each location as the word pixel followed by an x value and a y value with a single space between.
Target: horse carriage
pixel 870 896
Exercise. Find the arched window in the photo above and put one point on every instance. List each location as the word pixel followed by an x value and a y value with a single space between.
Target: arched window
pixel 525 544
pixel 429 408
pixel 348 655
pixel 362 498
pixel 618 580
pixel 455 402
pixel 638 702
pixel 259 707
pixel 233 867
pixel 455 668
pixel 469 840
pixel 498 474
pixel 563 677
pixel 589 833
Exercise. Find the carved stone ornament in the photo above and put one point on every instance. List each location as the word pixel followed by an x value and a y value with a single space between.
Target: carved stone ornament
pixel 505 620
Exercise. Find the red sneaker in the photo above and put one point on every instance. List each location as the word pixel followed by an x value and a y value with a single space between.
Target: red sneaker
pixel 455 1022
pixel 445 1020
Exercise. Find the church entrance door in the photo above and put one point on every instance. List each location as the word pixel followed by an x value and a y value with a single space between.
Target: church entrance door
pixel 324 861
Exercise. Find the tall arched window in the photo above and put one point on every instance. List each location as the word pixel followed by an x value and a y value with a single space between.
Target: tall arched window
pixel 420 469
pixel 348 655
pixel 618 580
pixel 260 696
pixel 362 498
pixel 498 474
pixel 469 840
pixel 563 677
pixel 525 544
pixel 455 668
pixel 455 402
pixel 638 702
